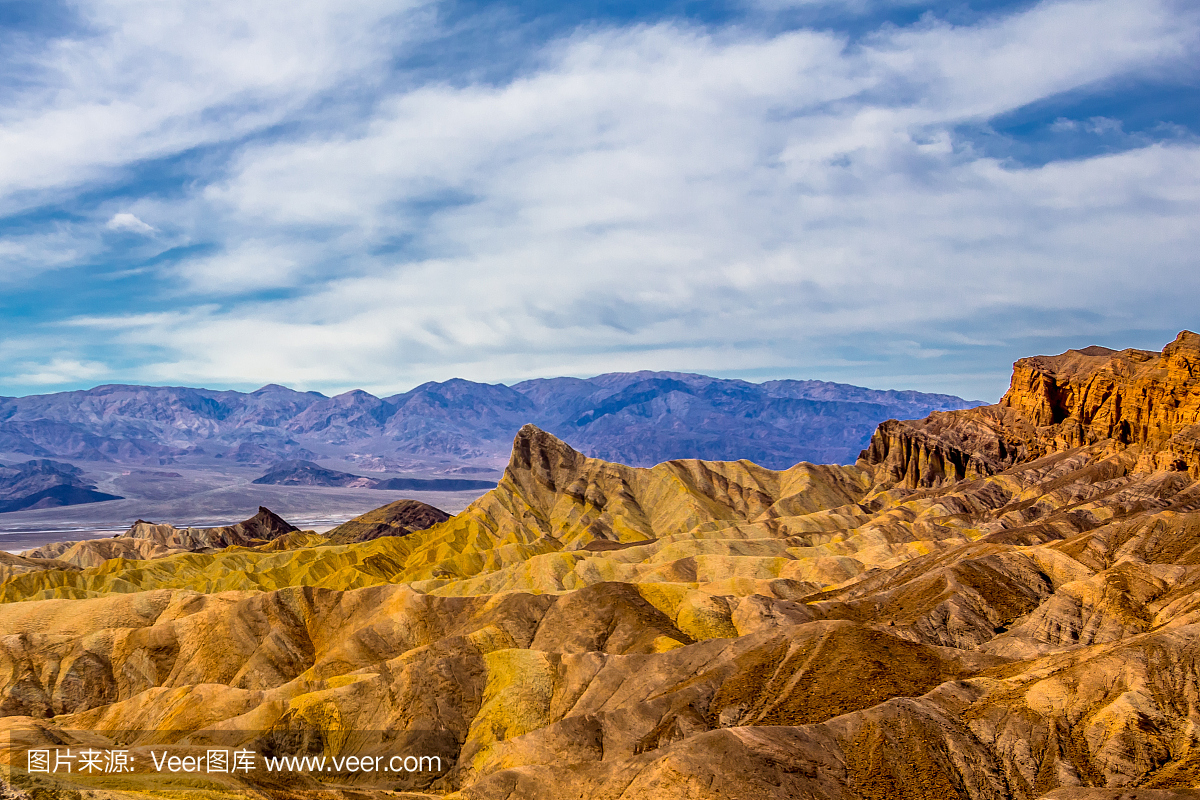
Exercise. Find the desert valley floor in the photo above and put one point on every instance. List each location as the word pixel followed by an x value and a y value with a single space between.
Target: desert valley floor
pixel 185 495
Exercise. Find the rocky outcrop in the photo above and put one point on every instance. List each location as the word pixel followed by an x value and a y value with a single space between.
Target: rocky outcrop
pixel 946 447
pixel 148 540
pixel 1130 398
pixel 1094 396
pixel 395 519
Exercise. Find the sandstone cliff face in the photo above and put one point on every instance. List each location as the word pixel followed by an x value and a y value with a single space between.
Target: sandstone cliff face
pixel 947 447
pixel 1132 398
pixel 979 610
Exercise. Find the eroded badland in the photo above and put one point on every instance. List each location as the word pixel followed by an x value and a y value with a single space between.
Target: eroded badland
pixel 1001 602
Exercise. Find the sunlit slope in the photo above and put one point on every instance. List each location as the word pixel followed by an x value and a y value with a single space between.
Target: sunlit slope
pixel 544 528
pixel 516 679
pixel 560 521
pixel 988 669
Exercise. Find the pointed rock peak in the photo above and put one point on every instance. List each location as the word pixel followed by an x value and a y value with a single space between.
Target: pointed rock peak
pixel 356 395
pixel 542 455
pixel 266 524
pixel 532 437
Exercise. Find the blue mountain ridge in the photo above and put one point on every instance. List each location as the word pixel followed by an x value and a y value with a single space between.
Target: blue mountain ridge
pixel 637 418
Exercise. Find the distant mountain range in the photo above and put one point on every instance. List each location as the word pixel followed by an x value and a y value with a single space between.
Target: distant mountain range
pixel 637 418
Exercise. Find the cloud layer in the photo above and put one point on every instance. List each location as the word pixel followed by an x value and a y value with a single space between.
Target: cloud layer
pixel 270 194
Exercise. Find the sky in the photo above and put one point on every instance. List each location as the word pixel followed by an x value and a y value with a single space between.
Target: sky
pixel 332 195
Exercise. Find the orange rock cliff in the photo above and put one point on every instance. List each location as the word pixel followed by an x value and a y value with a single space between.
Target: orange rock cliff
pixel 1137 399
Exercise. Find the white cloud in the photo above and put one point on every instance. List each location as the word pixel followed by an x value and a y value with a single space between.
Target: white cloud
pixel 60 371
pixel 666 197
pixel 146 79
pixel 1104 125
pixel 29 253
pixel 245 266
pixel 125 221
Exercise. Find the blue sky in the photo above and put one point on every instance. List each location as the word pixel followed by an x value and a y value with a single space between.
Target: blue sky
pixel 335 195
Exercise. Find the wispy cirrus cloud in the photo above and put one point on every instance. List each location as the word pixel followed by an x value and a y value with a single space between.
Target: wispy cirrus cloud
pixel 135 79
pixel 60 371
pixel 738 199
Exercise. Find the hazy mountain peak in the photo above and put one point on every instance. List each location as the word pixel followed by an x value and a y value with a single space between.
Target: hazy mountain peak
pixel 275 388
